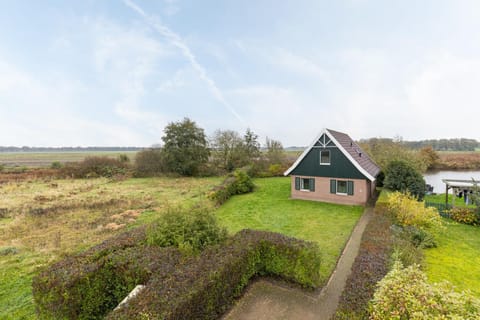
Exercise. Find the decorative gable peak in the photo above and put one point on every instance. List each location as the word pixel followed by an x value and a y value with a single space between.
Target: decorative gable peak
pixel 324 142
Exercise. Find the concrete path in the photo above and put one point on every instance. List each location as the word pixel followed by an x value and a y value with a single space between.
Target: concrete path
pixel 268 301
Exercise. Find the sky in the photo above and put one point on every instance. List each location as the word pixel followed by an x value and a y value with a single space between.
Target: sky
pixel 115 73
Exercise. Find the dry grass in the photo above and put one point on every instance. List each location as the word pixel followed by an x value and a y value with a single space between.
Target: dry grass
pixel 458 160
pixel 44 220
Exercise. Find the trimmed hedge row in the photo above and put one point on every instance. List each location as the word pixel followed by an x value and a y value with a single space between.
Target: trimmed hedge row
pixel 369 267
pixel 89 285
pixel 205 286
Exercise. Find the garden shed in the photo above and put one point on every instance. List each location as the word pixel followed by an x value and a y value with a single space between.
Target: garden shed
pixel 333 168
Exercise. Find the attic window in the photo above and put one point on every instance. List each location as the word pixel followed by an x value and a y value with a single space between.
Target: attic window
pixel 325 157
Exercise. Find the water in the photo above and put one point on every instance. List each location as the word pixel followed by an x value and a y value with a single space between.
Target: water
pixel 434 178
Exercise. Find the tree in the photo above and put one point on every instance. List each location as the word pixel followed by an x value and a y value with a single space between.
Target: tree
pixel 402 176
pixel 227 146
pixel 185 147
pixel 251 145
pixel 429 156
pixel 275 153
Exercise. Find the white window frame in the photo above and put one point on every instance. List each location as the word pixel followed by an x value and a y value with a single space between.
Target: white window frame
pixel 329 158
pixel 302 185
pixel 346 188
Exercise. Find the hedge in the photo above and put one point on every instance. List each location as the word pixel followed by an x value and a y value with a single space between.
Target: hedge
pixel 205 286
pixel 89 285
pixel 369 267
pixel 239 182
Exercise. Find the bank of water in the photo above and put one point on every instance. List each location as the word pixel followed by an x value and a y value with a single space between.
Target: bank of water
pixel 434 178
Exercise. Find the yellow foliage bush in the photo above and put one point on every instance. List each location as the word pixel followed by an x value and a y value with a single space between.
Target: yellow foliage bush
pixel 407 211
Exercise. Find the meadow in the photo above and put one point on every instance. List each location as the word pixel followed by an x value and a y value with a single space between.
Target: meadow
pixel 45 159
pixel 44 220
pixel 41 221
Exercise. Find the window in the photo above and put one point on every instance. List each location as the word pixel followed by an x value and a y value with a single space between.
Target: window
pixel 305 184
pixel 325 157
pixel 341 187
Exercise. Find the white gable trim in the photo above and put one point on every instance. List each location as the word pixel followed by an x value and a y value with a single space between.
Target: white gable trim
pixel 339 146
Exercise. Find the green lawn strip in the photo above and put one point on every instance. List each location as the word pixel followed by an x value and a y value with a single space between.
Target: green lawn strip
pixel 456 258
pixel 16 273
pixel 270 208
pixel 440 198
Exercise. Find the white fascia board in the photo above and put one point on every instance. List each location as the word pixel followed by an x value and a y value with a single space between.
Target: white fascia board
pixel 349 157
pixel 304 154
pixel 339 146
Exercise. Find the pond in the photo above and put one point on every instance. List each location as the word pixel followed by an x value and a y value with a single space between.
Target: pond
pixel 434 178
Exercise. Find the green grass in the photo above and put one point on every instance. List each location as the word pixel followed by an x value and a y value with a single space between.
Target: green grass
pixel 45 159
pixel 457 257
pixel 440 198
pixel 43 239
pixel 270 208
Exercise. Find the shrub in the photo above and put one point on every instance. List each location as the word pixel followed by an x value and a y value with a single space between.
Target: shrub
pixel 402 176
pixel 464 215
pixel 2 167
pixel 88 285
pixel 149 163
pixel 237 183
pixel 8 251
pixel 191 230
pixel 276 170
pixel 205 286
pixel 123 158
pixel 370 266
pixel 92 167
pixel 407 211
pixel 406 294
pixel 56 165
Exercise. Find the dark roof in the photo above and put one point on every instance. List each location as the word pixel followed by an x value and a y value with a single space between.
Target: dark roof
pixel 350 148
pixel 356 152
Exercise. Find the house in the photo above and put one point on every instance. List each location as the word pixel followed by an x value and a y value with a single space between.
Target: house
pixel 333 169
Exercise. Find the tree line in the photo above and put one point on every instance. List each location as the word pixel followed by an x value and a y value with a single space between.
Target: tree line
pixel 187 151
pixel 455 144
pixel 67 149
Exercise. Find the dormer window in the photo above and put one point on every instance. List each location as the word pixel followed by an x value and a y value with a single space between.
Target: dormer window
pixel 325 157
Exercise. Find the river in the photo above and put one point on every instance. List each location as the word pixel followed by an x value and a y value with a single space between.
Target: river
pixel 434 178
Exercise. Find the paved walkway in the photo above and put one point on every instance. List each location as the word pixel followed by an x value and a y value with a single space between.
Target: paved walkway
pixel 265 300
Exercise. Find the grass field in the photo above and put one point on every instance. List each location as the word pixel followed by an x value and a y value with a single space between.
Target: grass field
pixel 440 198
pixel 456 258
pixel 45 159
pixel 44 220
pixel 269 208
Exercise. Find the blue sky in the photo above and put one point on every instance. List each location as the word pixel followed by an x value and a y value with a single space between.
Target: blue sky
pixel 78 73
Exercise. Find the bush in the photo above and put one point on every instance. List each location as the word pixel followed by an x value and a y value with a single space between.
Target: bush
pixel 92 167
pixel 150 163
pixel 190 230
pixel 407 211
pixel 204 287
pixel 90 284
pixel 370 266
pixel 402 176
pixel 406 294
pixel 276 170
pixel 237 183
pixel 56 165
pixel 464 215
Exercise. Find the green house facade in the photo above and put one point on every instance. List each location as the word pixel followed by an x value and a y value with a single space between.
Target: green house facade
pixel 333 169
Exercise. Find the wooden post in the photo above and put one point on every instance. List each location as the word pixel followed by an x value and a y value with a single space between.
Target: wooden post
pixel 446 195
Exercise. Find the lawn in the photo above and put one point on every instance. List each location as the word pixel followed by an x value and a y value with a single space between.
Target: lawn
pixel 440 198
pixel 47 219
pixel 270 208
pixel 456 258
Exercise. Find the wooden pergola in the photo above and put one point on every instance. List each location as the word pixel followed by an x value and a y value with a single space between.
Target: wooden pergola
pixel 464 185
